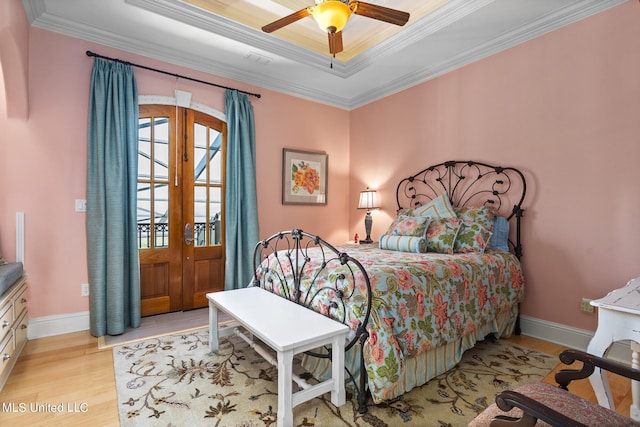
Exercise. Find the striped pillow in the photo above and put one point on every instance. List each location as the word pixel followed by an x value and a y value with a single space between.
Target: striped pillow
pixel 440 207
pixel 500 236
pixel 403 243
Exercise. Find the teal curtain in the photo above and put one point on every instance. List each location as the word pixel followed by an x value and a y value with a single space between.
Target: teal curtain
pixel 241 202
pixel 112 171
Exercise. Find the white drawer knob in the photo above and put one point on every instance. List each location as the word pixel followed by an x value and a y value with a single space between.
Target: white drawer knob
pixel 5 324
pixel 6 357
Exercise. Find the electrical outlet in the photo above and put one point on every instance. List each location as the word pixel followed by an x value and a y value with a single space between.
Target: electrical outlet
pixel 84 290
pixel 586 306
pixel 81 205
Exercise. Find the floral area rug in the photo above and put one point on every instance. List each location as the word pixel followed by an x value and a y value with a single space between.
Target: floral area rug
pixel 174 380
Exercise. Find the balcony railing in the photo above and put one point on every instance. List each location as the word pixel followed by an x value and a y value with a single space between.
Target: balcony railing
pixel 161 234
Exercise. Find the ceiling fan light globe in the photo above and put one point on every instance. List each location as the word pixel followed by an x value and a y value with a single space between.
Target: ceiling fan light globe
pixel 332 13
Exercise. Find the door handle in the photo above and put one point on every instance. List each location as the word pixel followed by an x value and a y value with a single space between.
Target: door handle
pixel 188 234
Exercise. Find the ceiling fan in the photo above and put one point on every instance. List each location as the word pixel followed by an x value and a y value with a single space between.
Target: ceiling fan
pixel 332 16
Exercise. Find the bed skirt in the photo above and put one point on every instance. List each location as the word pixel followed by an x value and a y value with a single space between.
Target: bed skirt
pixel 420 369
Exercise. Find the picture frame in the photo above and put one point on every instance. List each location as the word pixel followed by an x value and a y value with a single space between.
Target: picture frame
pixel 304 177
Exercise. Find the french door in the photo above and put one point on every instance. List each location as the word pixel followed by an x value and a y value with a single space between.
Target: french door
pixel 180 207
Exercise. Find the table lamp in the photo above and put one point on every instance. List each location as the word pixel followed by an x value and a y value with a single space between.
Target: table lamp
pixel 368 201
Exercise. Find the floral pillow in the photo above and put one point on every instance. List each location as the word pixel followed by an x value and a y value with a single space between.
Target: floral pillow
pixel 407 212
pixel 482 215
pixel 472 237
pixel 441 235
pixel 409 226
pixel 440 207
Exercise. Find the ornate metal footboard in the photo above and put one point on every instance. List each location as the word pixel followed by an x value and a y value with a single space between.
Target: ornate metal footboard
pixel 309 271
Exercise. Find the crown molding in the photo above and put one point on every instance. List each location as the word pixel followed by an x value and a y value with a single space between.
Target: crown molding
pixel 498 44
pixel 189 14
pixel 60 25
pixel 439 20
pixel 34 9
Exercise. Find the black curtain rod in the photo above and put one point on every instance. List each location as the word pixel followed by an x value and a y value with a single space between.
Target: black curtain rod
pixel 89 53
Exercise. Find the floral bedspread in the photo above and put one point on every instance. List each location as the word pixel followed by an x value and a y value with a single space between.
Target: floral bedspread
pixel 422 301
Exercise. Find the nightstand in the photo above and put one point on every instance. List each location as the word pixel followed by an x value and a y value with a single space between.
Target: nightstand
pixel 618 320
pixel 351 242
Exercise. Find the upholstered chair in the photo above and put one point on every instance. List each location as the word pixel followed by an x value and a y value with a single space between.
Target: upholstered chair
pixel 542 404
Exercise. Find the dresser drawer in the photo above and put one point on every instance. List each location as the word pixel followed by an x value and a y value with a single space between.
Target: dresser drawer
pixel 20 302
pixel 13 327
pixel 6 352
pixel 6 320
pixel 20 332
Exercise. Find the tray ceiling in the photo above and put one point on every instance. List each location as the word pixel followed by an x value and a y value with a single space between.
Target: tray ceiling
pixel 223 37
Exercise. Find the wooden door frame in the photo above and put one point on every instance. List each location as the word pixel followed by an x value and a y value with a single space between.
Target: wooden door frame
pixel 193 295
pixel 182 293
pixel 171 300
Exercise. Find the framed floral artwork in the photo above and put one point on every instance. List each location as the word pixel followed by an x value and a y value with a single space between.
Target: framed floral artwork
pixel 304 177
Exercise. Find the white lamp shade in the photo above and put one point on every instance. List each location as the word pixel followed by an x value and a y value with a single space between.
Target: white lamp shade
pixel 368 200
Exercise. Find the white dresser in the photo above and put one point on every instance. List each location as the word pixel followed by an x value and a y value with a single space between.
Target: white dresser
pixel 13 327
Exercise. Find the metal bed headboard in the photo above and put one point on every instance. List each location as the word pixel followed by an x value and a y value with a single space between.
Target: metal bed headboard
pixel 469 183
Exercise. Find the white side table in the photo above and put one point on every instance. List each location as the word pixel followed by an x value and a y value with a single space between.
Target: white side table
pixel 618 320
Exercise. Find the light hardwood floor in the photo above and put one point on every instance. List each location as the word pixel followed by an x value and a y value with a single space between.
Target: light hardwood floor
pixel 70 370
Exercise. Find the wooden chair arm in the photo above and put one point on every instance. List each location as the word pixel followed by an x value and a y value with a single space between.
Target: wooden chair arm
pixel 533 411
pixel 590 362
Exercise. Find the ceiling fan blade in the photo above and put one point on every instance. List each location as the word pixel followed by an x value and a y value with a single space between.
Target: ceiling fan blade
pixel 380 13
pixel 289 19
pixel 335 42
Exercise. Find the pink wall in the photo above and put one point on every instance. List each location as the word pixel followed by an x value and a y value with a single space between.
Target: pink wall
pixel 564 108
pixel 43 162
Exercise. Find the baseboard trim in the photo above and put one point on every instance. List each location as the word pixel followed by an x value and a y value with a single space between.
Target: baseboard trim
pixel 568 336
pixel 46 326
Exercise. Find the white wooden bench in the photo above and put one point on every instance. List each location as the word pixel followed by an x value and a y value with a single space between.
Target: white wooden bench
pixel 289 329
